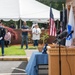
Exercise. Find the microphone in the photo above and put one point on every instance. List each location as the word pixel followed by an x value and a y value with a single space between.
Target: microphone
pixel 70 33
pixel 62 35
pixel 58 32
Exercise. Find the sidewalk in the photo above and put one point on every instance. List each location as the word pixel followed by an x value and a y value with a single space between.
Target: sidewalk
pixel 18 58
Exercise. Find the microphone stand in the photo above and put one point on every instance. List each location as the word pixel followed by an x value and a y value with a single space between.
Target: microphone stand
pixel 59 42
pixel 59 60
pixel 59 56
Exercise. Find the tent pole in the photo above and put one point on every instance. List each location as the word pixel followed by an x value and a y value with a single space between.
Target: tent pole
pixel 20 23
pixel 15 24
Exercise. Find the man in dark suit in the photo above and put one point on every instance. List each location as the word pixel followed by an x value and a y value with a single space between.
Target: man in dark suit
pixel 2 34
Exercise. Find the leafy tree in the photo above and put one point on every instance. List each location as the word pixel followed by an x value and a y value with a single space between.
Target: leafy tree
pixel 57 4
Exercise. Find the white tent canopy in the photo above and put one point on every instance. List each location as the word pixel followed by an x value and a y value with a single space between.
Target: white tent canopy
pixel 9 9
pixel 25 10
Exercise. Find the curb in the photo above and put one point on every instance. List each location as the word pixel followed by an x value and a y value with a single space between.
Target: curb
pixel 18 58
pixel 13 59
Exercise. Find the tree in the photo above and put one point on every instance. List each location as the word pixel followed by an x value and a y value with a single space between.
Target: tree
pixel 57 4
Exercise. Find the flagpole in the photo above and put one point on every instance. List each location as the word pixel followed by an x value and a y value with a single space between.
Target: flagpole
pixel 60 68
pixel 50 20
pixel 59 59
pixel 63 13
pixel 50 13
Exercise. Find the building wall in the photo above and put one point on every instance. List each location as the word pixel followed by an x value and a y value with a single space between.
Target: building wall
pixel 68 1
pixel 68 5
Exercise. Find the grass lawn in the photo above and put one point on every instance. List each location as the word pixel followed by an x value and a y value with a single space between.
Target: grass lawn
pixel 15 50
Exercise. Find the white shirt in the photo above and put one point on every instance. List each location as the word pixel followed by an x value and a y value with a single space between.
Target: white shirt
pixel 36 33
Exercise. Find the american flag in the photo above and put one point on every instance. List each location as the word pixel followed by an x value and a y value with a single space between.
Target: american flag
pixel 52 28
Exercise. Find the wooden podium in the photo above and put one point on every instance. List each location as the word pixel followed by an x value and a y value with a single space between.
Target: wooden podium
pixel 67 61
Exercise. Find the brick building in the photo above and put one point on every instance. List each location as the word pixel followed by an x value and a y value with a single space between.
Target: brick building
pixel 68 5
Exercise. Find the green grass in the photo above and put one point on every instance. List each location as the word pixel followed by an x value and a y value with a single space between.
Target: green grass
pixel 13 50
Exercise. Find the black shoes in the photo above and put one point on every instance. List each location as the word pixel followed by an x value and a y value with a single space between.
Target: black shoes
pixel 26 49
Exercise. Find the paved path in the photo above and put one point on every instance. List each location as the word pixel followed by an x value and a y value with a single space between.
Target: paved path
pixel 14 65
